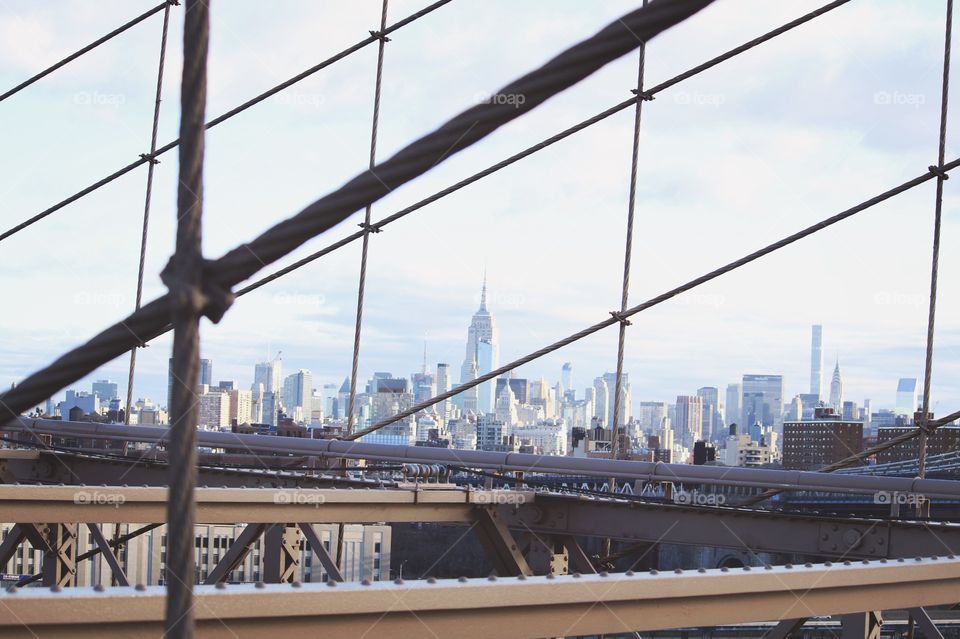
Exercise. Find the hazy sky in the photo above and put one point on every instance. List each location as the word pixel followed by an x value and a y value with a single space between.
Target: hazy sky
pixel 795 130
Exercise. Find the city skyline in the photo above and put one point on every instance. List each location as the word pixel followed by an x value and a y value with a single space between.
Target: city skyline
pixel 265 372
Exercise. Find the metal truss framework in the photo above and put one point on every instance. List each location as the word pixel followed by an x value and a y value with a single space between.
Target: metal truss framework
pixel 517 607
pixel 542 514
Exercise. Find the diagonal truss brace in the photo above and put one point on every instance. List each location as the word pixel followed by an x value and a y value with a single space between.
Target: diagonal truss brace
pixel 236 553
pixel 313 540
pixel 501 547
pixel 108 554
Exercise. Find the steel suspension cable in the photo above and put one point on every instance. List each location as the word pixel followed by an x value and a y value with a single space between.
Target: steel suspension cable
pixel 355 362
pixel 184 277
pixel 654 301
pixel 146 204
pixel 627 252
pixel 163 6
pixel 935 253
pixel 222 118
pixel 457 134
pixel 367 229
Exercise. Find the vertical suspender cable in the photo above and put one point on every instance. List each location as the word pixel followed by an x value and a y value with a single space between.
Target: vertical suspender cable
pixel 183 275
pixel 625 291
pixel 367 229
pixel 938 209
pixel 146 205
pixel 628 250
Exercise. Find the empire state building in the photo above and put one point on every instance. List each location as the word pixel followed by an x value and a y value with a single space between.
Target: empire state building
pixel 482 356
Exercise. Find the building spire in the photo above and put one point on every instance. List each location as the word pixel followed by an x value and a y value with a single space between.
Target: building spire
pixel 483 292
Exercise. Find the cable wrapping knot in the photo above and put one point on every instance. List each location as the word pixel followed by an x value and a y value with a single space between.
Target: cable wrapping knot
pixel 369 228
pixel 620 317
pixel 150 157
pixel 210 299
pixel 938 171
pixel 927 427
pixel 379 35
pixel 643 95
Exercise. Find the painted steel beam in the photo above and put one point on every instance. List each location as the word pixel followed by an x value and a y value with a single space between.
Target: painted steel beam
pixel 235 554
pixel 263 505
pixel 108 555
pixel 499 544
pixel 320 551
pixel 522 462
pixel 754 530
pixel 508 607
pixel 526 511
pixel 930 630
pixel 785 629
pixel 15 536
pixel 48 467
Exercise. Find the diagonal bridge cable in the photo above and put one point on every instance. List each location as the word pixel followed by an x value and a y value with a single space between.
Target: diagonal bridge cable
pixel 462 131
pixel 93 45
pixel 222 118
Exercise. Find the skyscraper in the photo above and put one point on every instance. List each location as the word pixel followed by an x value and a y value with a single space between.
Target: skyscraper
pixel 906 396
pixel 443 385
pixel 482 356
pixel 206 372
pixel 601 399
pixel 734 399
pixel 566 377
pixel 762 401
pixel 651 415
pixel 268 374
pixel 836 389
pixel 710 424
pixel 105 390
pixel 689 420
pixel 625 405
pixel 298 393
pixel 816 361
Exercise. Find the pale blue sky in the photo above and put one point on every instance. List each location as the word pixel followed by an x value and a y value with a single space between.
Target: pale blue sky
pixel 791 132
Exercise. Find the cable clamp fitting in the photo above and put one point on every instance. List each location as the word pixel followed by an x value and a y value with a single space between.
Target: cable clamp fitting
pixel 380 36
pixel 369 228
pixel 620 317
pixel 150 157
pixel 927 427
pixel 209 299
pixel 939 172
pixel 644 95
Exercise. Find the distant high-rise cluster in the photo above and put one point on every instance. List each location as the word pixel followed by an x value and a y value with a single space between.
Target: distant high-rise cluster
pixel 749 422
